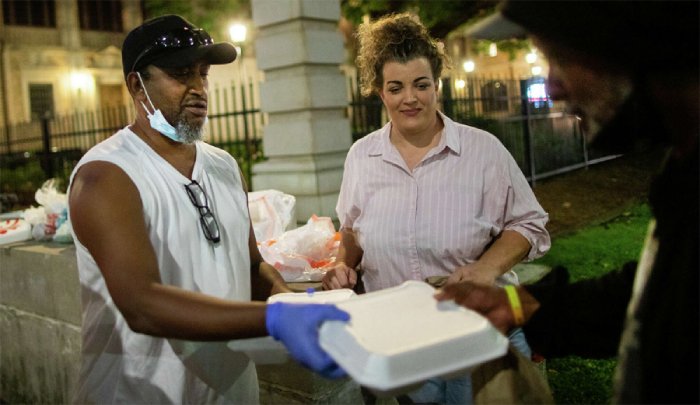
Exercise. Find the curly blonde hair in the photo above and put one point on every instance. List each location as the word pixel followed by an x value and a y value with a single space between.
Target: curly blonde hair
pixel 395 38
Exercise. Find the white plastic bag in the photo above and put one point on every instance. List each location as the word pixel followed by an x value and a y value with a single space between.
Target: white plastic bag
pixel 50 198
pixel 64 232
pixel 303 254
pixel 35 215
pixel 52 214
pixel 271 212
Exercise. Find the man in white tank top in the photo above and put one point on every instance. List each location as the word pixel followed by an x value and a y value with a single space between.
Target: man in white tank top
pixel 167 256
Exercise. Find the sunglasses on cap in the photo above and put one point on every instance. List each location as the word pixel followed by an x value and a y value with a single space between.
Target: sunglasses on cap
pixel 184 37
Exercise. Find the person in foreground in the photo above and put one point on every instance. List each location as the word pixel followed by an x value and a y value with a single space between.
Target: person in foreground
pixel 425 196
pixel 630 71
pixel 166 252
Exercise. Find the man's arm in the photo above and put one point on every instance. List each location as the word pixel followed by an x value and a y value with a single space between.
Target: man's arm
pixel 106 214
pixel 265 280
pixel 583 318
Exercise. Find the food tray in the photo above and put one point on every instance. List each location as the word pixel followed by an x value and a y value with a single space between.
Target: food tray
pixel 399 337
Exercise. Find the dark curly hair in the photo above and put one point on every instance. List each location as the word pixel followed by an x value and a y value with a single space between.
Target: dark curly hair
pixel 395 38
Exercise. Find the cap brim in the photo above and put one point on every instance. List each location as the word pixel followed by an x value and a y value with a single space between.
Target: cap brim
pixel 216 54
pixel 496 27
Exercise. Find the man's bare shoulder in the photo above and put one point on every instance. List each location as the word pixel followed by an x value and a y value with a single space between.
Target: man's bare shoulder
pixel 101 182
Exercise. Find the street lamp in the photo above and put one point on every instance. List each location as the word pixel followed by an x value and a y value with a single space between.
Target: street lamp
pixel 469 66
pixel 238 33
pixel 531 57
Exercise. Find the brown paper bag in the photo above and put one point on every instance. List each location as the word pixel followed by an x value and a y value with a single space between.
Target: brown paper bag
pixel 511 379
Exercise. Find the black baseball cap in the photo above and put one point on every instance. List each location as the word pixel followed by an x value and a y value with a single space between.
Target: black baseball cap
pixel 653 34
pixel 172 41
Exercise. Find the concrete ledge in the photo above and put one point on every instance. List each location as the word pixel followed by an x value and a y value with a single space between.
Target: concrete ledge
pixel 40 322
pixel 41 278
pixel 40 317
pixel 40 341
pixel 39 358
pixel 290 383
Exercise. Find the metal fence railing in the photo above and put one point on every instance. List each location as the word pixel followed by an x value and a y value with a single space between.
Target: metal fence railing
pixel 34 151
pixel 542 138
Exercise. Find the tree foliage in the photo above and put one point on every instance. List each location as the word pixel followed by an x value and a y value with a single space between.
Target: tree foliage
pixel 212 15
pixel 440 16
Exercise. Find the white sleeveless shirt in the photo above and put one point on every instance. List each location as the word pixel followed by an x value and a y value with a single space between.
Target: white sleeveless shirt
pixel 120 365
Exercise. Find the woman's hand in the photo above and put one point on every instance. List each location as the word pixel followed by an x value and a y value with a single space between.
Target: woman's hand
pixel 476 272
pixel 339 276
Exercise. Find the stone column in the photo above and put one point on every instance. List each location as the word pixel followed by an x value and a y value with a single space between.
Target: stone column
pixel 300 49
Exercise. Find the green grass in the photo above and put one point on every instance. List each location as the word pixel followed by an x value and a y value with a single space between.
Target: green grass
pixel 591 252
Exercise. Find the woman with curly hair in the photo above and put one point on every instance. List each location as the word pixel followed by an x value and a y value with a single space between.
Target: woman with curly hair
pixel 425 196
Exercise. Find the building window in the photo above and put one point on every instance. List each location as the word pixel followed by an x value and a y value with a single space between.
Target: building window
pixel 40 101
pixel 494 95
pixel 33 13
pixel 100 15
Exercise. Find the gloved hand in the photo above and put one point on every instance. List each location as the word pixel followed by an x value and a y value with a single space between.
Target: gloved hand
pixel 297 325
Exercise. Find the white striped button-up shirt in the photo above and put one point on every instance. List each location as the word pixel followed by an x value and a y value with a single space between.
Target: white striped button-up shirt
pixel 413 225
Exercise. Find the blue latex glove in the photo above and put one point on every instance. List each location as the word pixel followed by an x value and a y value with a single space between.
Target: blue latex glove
pixel 297 325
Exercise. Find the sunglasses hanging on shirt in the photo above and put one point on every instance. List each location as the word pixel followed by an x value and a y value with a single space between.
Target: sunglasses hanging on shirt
pixel 206 218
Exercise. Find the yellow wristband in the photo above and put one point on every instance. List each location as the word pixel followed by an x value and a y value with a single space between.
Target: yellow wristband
pixel 515 306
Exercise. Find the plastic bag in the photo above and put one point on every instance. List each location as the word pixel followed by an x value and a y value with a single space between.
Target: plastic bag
pixel 271 212
pixel 35 215
pixel 305 253
pixel 64 229
pixel 52 214
pixel 50 198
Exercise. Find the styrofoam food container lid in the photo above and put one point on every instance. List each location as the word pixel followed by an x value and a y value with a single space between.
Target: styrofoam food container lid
pixel 266 350
pixel 14 230
pixel 314 297
pixel 401 336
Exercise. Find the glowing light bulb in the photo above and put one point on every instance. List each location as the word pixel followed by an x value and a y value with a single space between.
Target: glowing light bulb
pixel 531 57
pixel 469 66
pixel 237 32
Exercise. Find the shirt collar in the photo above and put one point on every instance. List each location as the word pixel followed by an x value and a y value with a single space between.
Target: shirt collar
pixel 450 134
pixel 449 138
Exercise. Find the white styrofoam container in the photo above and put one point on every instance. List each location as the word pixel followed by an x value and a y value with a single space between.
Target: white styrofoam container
pixel 14 230
pixel 266 350
pixel 399 337
pixel 314 297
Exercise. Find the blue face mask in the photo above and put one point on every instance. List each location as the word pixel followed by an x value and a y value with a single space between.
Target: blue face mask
pixel 157 120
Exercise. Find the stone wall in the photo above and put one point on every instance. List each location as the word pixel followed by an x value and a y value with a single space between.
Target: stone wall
pixel 40 323
pixel 40 335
